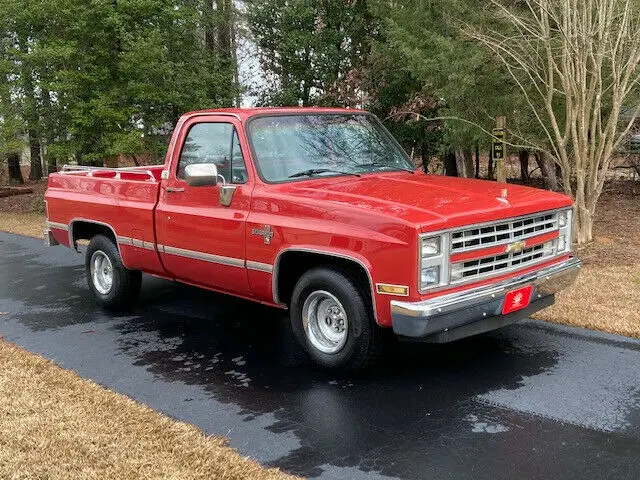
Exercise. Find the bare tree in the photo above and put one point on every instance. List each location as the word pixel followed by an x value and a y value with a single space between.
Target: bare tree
pixel 577 65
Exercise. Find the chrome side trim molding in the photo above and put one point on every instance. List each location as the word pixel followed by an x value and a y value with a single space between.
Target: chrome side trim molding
pixel 124 240
pixel 134 242
pixel 207 257
pixel 59 226
pixel 260 267
pixel 276 266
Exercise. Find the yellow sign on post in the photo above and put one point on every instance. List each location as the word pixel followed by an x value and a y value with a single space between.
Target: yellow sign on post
pixel 498 143
pixel 499 150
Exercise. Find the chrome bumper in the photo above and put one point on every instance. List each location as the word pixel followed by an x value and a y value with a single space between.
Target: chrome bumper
pixel 461 314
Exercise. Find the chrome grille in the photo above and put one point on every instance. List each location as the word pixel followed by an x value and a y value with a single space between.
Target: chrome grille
pixel 503 232
pixel 478 268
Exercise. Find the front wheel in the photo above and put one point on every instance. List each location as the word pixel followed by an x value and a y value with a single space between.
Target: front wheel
pixel 112 284
pixel 331 318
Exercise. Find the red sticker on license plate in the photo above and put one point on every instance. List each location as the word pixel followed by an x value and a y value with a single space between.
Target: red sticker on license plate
pixel 517 299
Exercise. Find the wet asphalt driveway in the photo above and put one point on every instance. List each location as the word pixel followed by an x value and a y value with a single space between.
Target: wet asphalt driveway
pixel 530 401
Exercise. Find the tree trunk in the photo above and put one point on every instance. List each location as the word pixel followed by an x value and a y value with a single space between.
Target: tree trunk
pixel 547 168
pixel 477 161
pixel 15 174
pixel 31 117
pixel 523 155
pixel 36 160
pixel 490 173
pixel 464 162
pixel 424 156
pixel 449 161
pixel 583 222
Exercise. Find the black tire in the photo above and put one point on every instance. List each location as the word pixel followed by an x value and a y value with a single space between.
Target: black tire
pixel 125 285
pixel 364 341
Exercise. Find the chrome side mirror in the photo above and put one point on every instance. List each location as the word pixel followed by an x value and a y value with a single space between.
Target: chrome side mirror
pixel 201 174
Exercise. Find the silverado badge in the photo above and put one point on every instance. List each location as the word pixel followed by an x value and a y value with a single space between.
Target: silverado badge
pixel 516 247
pixel 266 232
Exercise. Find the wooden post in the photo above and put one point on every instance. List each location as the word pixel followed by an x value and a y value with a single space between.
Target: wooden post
pixel 499 149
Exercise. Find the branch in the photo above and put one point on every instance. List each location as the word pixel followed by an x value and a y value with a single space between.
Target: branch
pixel 530 146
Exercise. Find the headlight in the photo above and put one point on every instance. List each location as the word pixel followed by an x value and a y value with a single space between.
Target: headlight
pixel 430 246
pixel 562 219
pixel 430 276
pixel 565 224
pixel 433 261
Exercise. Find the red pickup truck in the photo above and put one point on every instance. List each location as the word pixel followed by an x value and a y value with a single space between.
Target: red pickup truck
pixel 318 211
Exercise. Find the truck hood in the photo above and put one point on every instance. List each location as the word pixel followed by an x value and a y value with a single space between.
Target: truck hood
pixel 430 201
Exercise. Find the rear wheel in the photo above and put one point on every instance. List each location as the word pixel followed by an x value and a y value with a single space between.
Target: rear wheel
pixel 112 284
pixel 331 318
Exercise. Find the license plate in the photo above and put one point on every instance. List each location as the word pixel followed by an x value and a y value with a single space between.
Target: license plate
pixel 517 299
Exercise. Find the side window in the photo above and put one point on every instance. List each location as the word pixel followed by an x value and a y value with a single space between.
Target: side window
pixel 214 143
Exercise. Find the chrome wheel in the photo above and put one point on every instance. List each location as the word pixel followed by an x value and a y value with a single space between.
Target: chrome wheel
pixel 101 272
pixel 325 321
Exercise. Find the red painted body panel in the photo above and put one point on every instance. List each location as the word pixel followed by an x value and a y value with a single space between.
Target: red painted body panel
pixel 374 219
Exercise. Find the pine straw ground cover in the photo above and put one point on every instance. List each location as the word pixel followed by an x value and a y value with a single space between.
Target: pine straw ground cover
pixel 606 295
pixel 56 425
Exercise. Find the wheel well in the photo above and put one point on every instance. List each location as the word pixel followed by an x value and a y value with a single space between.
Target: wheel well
pixel 82 230
pixel 292 265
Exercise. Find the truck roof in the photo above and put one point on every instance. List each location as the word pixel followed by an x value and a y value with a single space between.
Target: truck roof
pixel 245 113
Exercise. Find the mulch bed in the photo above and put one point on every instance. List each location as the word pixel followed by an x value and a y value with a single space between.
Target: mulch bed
pixel 26 202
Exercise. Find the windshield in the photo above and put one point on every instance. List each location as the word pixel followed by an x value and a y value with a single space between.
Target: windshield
pixel 287 147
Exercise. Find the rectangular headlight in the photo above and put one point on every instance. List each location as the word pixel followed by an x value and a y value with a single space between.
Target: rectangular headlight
pixel 565 224
pixel 430 276
pixel 433 261
pixel 430 246
pixel 562 219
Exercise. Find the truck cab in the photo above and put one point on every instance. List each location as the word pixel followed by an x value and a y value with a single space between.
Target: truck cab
pixel 318 211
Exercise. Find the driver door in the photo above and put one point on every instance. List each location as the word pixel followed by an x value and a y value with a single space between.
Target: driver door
pixel 203 239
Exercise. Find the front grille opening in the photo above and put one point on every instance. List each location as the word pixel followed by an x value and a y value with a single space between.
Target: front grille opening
pixel 496 264
pixel 503 232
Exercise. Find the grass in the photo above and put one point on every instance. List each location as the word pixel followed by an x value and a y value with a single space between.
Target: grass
pixel 603 298
pixel 30 224
pixel 56 425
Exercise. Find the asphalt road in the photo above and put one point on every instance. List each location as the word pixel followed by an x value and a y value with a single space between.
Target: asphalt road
pixel 530 401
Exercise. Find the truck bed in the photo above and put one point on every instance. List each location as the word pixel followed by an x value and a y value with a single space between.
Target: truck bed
pixel 124 199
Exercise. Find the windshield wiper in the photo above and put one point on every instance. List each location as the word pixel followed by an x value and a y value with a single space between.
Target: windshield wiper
pixel 315 171
pixel 390 167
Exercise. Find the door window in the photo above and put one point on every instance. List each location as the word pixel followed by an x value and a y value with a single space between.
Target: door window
pixel 215 143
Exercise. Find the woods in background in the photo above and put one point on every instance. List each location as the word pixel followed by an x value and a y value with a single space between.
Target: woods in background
pixel 95 79
pixel 88 80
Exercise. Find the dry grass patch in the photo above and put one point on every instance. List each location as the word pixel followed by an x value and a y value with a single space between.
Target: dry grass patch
pixel 55 425
pixel 29 224
pixel 603 298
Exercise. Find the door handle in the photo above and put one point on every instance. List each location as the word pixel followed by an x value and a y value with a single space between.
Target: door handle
pixel 174 190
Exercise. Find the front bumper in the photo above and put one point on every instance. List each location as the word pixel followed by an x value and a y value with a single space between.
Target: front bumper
pixel 478 310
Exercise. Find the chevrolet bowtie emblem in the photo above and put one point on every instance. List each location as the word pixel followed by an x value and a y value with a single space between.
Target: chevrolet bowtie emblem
pixel 265 232
pixel 516 247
